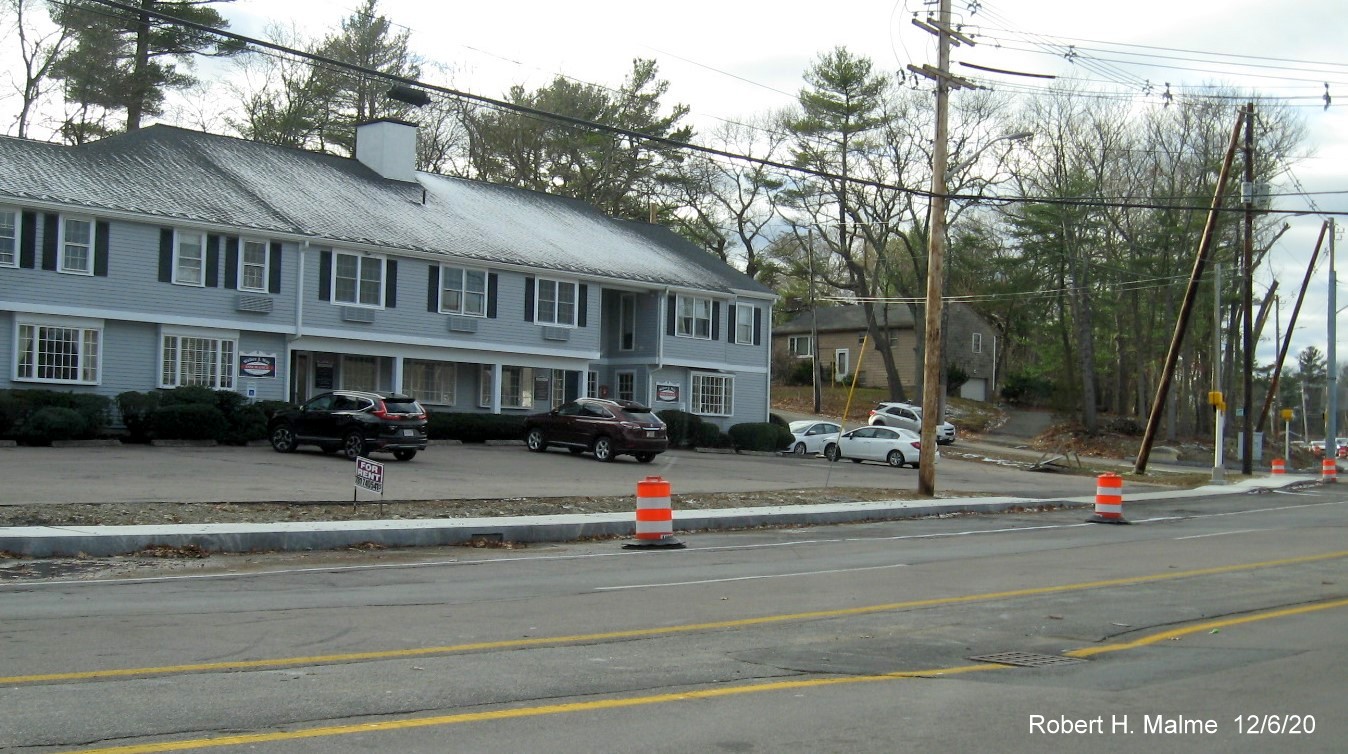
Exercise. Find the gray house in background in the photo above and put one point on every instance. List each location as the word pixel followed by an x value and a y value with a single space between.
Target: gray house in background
pixel 168 257
pixel 969 342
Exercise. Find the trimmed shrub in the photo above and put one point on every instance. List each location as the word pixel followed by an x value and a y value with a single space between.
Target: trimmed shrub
pixel 270 408
pixel 188 421
pixel 246 424
pixel 764 436
pixel 475 428
pixel 10 414
pixel 708 435
pixel 52 423
pixel 136 409
pixel 20 405
pixel 191 394
pixel 779 421
pixel 681 426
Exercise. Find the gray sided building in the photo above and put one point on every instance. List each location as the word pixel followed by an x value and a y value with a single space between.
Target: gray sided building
pixel 169 257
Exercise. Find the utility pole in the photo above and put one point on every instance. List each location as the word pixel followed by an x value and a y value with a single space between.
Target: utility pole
pixel 1286 338
pixel 1218 409
pixel 1331 412
pixel 932 358
pixel 1247 458
pixel 814 326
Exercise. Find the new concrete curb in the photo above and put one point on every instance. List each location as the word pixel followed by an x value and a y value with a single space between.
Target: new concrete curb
pixel 102 541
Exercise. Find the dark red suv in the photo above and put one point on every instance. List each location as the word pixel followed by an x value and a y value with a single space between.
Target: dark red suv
pixel 606 428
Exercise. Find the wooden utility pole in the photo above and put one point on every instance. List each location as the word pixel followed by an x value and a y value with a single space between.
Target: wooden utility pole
pixel 1291 325
pixel 1186 307
pixel 931 358
pixel 1247 194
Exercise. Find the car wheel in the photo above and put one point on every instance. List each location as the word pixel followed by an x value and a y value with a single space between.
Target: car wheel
pixel 603 449
pixel 536 441
pixel 404 455
pixel 645 457
pixel 832 453
pixel 283 438
pixel 353 446
pixel 895 459
pixel 799 449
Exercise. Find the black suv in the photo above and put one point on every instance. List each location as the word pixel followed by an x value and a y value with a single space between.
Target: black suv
pixel 353 422
pixel 606 428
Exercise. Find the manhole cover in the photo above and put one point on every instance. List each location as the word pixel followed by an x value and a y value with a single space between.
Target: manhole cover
pixel 1026 659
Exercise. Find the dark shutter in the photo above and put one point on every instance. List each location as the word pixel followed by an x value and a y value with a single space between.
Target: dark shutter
pixel 733 323
pixel 101 230
pixel 51 228
pixel 325 276
pixel 492 285
pixel 165 255
pixel 212 261
pixel 716 320
pixel 671 314
pixel 758 326
pixel 433 290
pixel 571 386
pixel 582 304
pixel 274 268
pixel 390 283
pixel 232 262
pixel 28 243
pixel 528 298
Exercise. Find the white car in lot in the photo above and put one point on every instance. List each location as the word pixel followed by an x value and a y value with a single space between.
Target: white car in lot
pixel 908 416
pixel 810 437
pixel 893 445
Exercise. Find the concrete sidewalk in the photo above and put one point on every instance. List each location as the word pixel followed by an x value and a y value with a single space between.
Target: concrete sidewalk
pixel 102 541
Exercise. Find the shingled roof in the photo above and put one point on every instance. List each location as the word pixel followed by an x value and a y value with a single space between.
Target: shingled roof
pixel 175 174
pixel 848 319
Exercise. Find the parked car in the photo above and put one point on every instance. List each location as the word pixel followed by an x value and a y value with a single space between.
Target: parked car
pixel 908 416
pixel 1318 447
pixel 604 427
pixel 354 422
pixel 893 445
pixel 809 436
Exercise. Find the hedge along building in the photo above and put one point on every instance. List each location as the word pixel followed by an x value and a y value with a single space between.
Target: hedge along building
pixel 169 257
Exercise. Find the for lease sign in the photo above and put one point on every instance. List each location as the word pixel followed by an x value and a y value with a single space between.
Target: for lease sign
pixel 370 475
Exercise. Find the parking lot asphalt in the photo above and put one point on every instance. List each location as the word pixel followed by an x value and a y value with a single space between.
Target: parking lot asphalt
pixel 130 474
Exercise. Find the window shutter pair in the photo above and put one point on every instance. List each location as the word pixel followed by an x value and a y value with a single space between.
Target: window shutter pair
pixel 51 231
pixel 232 265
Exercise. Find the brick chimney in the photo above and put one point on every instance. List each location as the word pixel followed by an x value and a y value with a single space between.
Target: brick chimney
pixel 389 148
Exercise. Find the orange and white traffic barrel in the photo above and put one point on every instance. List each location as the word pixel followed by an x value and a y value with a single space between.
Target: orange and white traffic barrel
pixel 655 516
pixel 1108 500
pixel 1279 467
pixel 1329 471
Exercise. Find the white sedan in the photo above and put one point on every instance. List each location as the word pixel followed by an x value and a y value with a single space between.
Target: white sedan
pixel 893 445
pixel 811 437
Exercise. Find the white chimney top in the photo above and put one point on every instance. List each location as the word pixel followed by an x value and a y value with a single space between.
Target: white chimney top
pixel 389 148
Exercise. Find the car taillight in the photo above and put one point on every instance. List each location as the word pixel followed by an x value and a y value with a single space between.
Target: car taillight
pixel 874 412
pixel 916 445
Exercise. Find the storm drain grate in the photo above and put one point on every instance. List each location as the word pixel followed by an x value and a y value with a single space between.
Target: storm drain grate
pixel 1026 659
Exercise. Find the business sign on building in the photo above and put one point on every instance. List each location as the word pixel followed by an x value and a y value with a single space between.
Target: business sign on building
pixel 257 364
pixel 667 392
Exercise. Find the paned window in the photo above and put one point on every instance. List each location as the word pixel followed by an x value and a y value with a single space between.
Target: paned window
pixel 51 353
pixel 9 238
pixel 463 291
pixel 204 361
pixel 591 384
pixel 978 342
pixel 799 345
pixel 627 386
pixel 77 246
pixel 360 373
pixel 744 324
pixel 358 280
pixel 430 381
pixel 713 394
pixel 558 388
pixel 189 258
pixel 556 303
pixel 517 386
pixel 253 261
pixel 693 317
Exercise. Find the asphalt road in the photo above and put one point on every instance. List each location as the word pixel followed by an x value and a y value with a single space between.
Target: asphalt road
pixel 139 473
pixel 1204 621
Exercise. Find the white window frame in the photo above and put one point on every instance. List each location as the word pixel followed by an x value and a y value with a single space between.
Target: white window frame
pixel 28 342
pixel 460 276
pixel 245 265
pixel 352 362
pixel 792 342
pixel 65 246
pixel 551 310
pixel 977 344
pixel 720 403
pixel 362 262
pixel 842 363
pixel 627 322
pixel 591 384
pixel 180 238
pixel 223 354
pixel 509 374
pixel 630 394
pixel 689 320
pixel 557 388
pixel 9 236
pixel 429 381
pixel 744 324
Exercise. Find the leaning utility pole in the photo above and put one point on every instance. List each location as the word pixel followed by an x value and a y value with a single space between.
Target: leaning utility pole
pixel 1247 194
pixel 1291 325
pixel 1186 307
pixel 931 359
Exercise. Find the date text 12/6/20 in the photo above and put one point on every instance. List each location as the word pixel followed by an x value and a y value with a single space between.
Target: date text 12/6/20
pixel 1274 725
